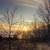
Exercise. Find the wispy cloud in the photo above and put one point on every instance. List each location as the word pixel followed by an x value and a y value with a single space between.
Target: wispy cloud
pixel 27 8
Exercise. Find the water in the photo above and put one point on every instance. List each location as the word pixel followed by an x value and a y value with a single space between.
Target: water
pixel 6 44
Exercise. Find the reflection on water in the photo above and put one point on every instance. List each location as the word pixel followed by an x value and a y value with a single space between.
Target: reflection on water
pixel 23 45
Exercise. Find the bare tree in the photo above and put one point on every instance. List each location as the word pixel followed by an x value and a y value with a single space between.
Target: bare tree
pixel 44 13
pixel 9 15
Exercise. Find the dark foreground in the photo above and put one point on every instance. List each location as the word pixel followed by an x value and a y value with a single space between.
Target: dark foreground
pixel 14 44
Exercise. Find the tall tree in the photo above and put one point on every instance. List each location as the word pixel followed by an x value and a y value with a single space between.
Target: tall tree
pixel 8 15
pixel 44 12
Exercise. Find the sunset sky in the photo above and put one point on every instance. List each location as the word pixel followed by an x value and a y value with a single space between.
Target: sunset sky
pixel 28 9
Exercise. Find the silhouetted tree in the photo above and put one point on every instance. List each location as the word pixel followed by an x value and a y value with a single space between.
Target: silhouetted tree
pixel 9 14
pixel 45 14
